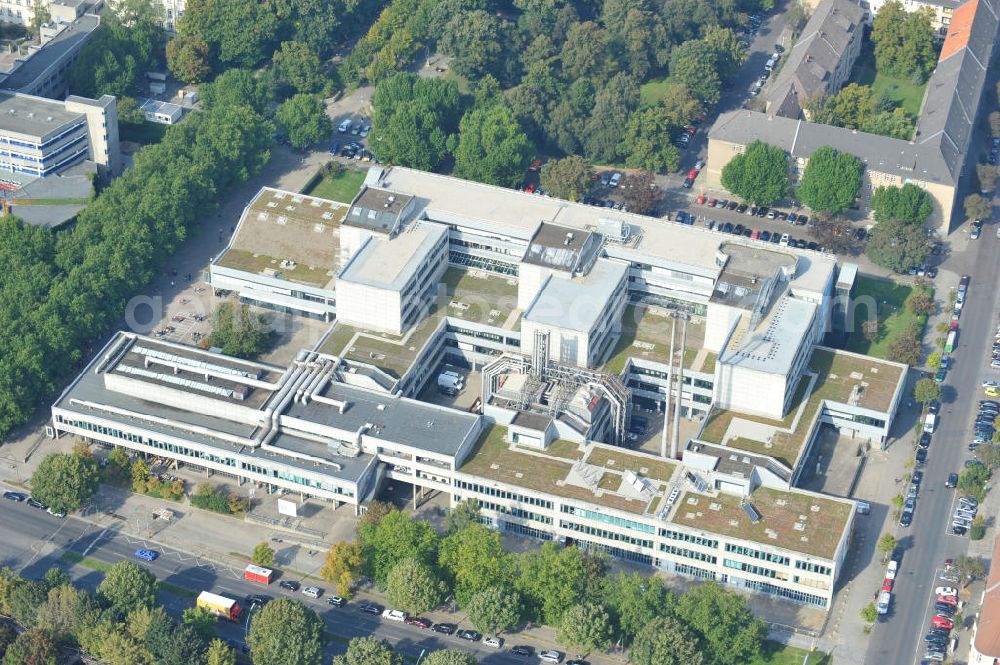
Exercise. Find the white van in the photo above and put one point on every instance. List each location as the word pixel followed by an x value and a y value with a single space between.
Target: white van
pixel 394 615
pixel 344 126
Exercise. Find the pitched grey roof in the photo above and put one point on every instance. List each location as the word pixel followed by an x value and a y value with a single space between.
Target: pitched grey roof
pixel 944 128
pixel 801 139
pixel 807 70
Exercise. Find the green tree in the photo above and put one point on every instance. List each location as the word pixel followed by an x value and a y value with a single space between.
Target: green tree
pixel 585 628
pixel 635 601
pixel 65 482
pixel 464 514
pixel 646 143
pixel 178 645
pixel 666 641
pixel 926 391
pixel 494 610
pixel 26 598
pixel 187 58
pixel 729 632
pixel 297 68
pixel 934 360
pixel 413 586
pixel 989 454
pixel 115 58
pixel 584 52
pixel 140 475
pixel 921 303
pixel 236 87
pixel 118 469
pixel 492 147
pixel 969 569
pixel 450 657
pixel 240 33
pixel 758 175
pixel 33 647
pixel 414 120
pixel 905 347
pixel 343 567
pixel 987 176
pixel 219 653
pixel 395 537
pixel 477 41
pixel 39 15
pixel 695 64
pixel 978 529
pixel 977 207
pixel 238 331
pixel 971 481
pixel 7 636
pixel 263 554
pixel 201 620
pixel 474 559
pixel 904 41
pixel 730 54
pixel 569 178
pixel 897 245
pixel 55 577
pixel 551 581
pixel 286 632
pixel 303 119
pixel 604 131
pixel 909 203
pixel 887 543
pixel 57 615
pixel 128 586
pixel 368 651
pixel 869 614
pixel 830 181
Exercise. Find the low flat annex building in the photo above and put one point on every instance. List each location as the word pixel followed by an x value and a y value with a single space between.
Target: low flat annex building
pixel 587 331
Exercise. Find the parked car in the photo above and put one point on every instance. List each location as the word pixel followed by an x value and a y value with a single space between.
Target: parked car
pixel 444 628
pixel 493 642
pixel 291 585
pixel 521 650
pixel 15 496
pixel 371 608
pixel 146 555
pixel 470 635
pixel 550 656
pixel 312 592
pixel 420 622
pixel 336 601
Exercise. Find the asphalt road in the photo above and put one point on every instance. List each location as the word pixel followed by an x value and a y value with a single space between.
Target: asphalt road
pixel 898 639
pixel 34 541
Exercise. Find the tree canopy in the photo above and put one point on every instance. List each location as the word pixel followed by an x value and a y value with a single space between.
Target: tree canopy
pixel 414 587
pixel 830 181
pixel 303 119
pixel 897 245
pixel 286 632
pixel 492 147
pixel 414 120
pixel 904 41
pixel 569 178
pixel 238 331
pixel 909 203
pixel 666 641
pixel 585 628
pixel 494 610
pixel 128 586
pixel 395 537
pixel 729 632
pixel 758 175
pixel 65 482
pixel 368 651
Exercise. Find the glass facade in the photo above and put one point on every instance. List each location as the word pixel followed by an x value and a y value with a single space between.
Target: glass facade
pixel 609 519
pixel 502 494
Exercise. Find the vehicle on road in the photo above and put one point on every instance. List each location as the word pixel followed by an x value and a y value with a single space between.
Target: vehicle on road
pixel 444 628
pixel 952 481
pixel 470 635
pixel 258 574
pixel 942 621
pixel 35 503
pixel 312 592
pixel 493 642
pixel 371 608
pixel 394 615
pixel 336 601
pixel 146 555
pixel 220 606
pixel 946 590
pixel 15 496
pixel 419 622
pixel 522 650
pixel 550 656
pixel 291 585
pixel 884 598
pixel 257 599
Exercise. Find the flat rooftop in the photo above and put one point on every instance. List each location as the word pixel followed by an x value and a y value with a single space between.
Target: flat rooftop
pixel 33 117
pixel 389 263
pixel 841 377
pixel 409 422
pixel 774 344
pixel 646 336
pixel 472 295
pixel 558 471
pixel 558 247
pixel 294 235
pixel 377 209
pixel 577 303
pixel 797 521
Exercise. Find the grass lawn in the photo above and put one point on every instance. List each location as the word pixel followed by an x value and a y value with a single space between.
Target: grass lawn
pixel 902 91
pixel 893 316
pixel 342 187
pixel 144 132
pixel 651 92
pixel 779 654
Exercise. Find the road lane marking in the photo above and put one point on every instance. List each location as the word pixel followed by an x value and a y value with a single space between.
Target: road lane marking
pixel 93 543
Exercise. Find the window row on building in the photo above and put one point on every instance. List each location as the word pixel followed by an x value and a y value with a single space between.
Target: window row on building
pixel 604 533
pixel 503 494
pixel 757 554
pixel 608 519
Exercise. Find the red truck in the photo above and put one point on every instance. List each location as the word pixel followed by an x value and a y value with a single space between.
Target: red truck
pixel 258 574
